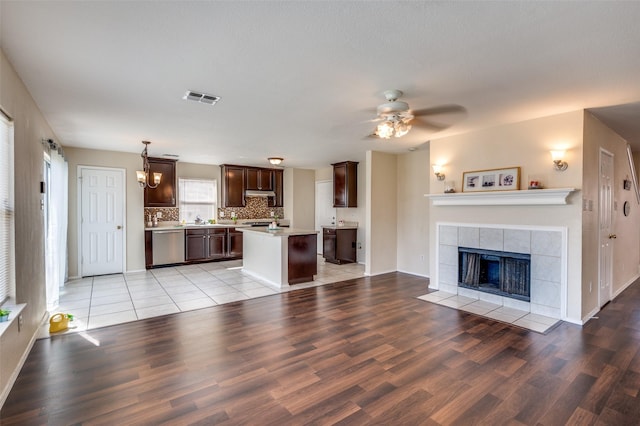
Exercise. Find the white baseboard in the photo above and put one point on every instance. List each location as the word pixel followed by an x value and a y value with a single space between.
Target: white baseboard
pixel 414 273
pixel 625 286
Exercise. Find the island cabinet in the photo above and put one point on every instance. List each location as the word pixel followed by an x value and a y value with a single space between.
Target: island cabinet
pixel 345 184
pixel 302 262
pixel 257 179
pixel 339 245
pixel 233 186
pixel 164 195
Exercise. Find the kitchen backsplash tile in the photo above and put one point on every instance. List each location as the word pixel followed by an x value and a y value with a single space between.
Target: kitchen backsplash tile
pixel 168 213
pixel 256 208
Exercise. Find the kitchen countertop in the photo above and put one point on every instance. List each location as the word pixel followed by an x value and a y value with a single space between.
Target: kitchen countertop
pixel 192 226
pixel 340 226
pixel 280 232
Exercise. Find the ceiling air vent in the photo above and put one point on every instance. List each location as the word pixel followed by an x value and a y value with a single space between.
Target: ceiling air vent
pixel 203 98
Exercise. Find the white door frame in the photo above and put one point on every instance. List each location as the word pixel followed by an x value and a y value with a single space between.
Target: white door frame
pixel 79 212
pixel 605 298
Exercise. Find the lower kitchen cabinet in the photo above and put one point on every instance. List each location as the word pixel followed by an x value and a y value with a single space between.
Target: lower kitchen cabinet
pixel 203 245
pixel 234 244
pixel 339 245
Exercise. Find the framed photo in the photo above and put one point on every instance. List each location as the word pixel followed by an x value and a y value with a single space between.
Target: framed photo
pixel 491 180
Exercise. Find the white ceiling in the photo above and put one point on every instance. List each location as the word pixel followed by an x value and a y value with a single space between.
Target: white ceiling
pixel 300 79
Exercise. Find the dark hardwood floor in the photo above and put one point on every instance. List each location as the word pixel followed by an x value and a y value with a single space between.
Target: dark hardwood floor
pixel 364 351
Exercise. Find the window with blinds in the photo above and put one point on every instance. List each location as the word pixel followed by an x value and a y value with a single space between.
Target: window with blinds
pixel 7 244
pixel 197 197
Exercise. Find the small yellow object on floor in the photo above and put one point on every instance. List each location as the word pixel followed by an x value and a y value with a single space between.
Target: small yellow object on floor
pixel 59 322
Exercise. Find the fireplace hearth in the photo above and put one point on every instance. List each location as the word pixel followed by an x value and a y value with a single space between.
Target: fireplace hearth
pixel 497 272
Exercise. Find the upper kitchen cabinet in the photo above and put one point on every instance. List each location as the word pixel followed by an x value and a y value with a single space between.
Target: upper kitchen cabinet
pixel 257 179
pixel 345 184
pixel 278 188
pixel 164 195
pixel 233 185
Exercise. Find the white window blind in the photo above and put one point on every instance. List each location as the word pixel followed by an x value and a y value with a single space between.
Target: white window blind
pixel 197 197
pixel 7 244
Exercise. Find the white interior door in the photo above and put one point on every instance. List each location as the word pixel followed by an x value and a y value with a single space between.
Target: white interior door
pixel 325 212
pixel 101 221
pixel 605 270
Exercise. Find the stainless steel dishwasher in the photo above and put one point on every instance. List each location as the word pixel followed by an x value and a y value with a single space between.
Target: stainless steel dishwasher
pixel 168 246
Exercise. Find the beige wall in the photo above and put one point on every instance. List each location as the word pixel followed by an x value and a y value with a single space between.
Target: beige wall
pixel 134 201
pixel 134 198
pixel 30 128
pixel 381 213
pixel 301 201
pixel 527 145
pixel 626 247
pixel 413 210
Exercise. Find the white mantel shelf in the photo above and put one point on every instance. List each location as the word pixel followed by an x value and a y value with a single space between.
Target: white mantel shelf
pixel 525 197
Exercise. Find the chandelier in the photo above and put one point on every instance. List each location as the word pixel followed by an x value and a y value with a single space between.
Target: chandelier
pixel 394 125
pixel 143 175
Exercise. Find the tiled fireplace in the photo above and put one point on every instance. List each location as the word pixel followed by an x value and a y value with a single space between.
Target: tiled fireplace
pixel 544 249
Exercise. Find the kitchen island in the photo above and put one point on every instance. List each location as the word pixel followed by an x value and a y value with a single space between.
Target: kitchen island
pixel 280 256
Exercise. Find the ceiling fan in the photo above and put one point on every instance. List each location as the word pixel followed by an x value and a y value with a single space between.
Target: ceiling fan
pixel 396 118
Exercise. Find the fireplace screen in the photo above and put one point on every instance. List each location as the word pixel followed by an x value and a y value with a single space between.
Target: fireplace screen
pixel 502 273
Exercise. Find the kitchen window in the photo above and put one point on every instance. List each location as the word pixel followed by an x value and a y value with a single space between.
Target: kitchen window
pixel 197 197
pixel 7 243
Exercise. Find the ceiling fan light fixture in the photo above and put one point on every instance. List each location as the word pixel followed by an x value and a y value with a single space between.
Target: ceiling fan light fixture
pixel 385 130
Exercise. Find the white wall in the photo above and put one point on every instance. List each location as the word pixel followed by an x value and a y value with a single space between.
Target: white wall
pixel 527 145
pixel 413 211
pixel 381 213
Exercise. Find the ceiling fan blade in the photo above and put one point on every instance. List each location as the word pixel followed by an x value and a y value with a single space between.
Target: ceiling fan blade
pixel 430 125
pixel 441 109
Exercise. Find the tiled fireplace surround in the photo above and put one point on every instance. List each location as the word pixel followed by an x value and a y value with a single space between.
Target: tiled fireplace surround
pixel 546 245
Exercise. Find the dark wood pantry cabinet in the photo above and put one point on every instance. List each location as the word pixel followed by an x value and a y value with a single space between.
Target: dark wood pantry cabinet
pixel 164 195
pixel 345 184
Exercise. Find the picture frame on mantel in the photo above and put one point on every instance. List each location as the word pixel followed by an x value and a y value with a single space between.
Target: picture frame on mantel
pixel 507 179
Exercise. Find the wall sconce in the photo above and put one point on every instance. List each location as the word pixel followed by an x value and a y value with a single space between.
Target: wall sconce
pixel 558 160
pixel 437 170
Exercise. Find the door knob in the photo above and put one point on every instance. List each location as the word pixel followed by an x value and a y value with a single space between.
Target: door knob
pixel 612 236
pixel 118 227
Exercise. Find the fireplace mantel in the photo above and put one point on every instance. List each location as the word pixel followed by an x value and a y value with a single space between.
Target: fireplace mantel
pixel 553 196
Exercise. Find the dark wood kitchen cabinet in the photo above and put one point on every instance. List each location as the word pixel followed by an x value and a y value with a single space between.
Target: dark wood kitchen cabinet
pixel 234 243
pixel 212 244
pixel 339 245
pixel 345 184
pixel 238 179
pixel 233 185
pixel 164 195
pixel 278 188
pixel 257 179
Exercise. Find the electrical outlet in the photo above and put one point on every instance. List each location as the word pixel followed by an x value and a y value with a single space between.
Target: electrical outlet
pixel 221 213
pixel 273 214
pixel 20 322
pixel 159 215
pixel 590 286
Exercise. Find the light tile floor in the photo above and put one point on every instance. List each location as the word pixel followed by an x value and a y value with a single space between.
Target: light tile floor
pixel 113 299
pixel 523 319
